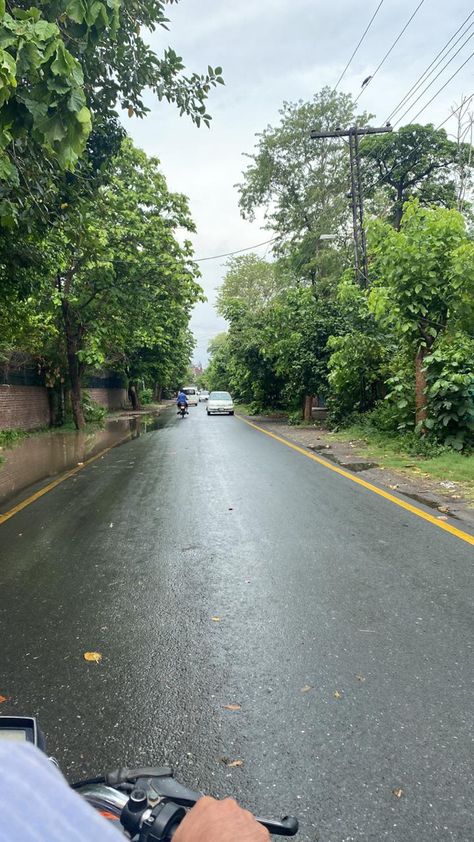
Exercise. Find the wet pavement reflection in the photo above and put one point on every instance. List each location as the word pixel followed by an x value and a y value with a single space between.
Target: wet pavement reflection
pixel 49 454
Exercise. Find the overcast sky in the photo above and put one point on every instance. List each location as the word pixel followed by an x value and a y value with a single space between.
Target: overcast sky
pixel 271 51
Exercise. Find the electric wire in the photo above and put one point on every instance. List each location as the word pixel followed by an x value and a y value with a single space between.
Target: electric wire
pixel 357 47
pixel 442 87
pixel 236 251
pixel 416 85
pixel 371 78
pixel 399 119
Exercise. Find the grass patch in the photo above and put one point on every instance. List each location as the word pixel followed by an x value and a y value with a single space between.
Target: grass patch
pixel 393 452
pixel 11 437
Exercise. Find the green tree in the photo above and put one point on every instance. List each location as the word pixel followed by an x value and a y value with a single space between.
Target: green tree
pixel 66 63
pixel 425 280
pixel 359 360
pixel 301 184
pixel 301 323
pixel 218 373
pixel 119 281
pixel 416 161
pixel 250 279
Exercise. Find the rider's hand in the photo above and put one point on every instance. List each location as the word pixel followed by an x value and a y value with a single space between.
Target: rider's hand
pixel 220 821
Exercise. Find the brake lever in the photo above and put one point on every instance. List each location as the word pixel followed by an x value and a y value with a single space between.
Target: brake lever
pixel 287 826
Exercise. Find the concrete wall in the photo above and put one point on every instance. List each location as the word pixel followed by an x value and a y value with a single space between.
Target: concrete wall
pixel 110 398
pixel 24 407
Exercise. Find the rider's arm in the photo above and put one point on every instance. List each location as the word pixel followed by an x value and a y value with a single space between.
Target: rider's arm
pixel 36 802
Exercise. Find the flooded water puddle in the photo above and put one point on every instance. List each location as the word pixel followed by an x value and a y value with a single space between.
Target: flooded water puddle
pixel 49 454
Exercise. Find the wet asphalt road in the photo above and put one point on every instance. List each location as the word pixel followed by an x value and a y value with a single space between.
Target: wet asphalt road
pixel 316 581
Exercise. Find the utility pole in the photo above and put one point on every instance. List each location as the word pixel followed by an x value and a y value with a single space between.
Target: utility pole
pixel 357 198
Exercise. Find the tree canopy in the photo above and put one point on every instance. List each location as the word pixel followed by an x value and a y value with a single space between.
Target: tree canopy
pixel 301 184
pixel 415 161
pixel 70 63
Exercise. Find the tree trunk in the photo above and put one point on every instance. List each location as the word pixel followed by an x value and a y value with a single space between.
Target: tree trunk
pixel 399 207
pixel 133 394
pixel 157 392
pixel 56 405
pixel 308 407
pixel 420 386
pixel 72 333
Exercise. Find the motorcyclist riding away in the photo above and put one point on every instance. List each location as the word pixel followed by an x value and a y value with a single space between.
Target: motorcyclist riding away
pixel 181 400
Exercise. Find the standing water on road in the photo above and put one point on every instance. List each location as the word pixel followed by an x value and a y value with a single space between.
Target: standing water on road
pixel 49 454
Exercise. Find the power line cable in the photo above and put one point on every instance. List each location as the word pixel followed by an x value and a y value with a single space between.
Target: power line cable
pixel 452 113
pixel 399 119
pixel 416 85
pixel 442 88
pixel 236 251
pixel 389 51
pixel 358 45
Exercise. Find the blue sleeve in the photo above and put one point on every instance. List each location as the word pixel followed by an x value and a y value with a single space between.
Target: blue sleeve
pixel 37 804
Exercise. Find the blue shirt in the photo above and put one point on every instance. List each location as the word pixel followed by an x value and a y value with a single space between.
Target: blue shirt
pixel 37 805
pixel 181 398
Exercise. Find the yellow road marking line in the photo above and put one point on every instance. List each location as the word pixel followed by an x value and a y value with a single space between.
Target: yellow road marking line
pixel 29 500
pixel 464 536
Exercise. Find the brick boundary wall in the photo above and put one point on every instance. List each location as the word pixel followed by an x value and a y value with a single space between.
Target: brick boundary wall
pixel 27 407
pixel 23 407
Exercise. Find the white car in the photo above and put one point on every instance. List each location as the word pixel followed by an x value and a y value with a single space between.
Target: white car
pixel 191 393
pixel 220 403
pixel 203 395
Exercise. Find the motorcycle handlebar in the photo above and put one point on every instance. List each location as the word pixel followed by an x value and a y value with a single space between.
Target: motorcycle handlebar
pixel 154 806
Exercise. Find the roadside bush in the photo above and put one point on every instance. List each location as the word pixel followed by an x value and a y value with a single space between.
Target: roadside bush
pixel 146 396
pixel 450 391
pixel 358 369
pixel 295 418
pixel 254 408
pixel 9 437
pixel 93 412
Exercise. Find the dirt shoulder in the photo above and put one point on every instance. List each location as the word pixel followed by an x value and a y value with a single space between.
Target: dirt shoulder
pixel 447 498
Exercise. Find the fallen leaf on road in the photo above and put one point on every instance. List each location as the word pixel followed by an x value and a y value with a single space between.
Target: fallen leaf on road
pixel 4 699
pixel 93 656
pixel 233 763
pixel 441 517
pixel 306 688
pixel 393 486
pixel 232 707
pixel 398 792
pixel 443 509
pixel 360 677
pixel 80 463
pixel 337 694
pixel 216 619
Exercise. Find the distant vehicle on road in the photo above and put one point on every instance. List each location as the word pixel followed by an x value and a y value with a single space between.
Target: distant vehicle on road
pixel 203 395
pixel 191 393
pixel 220 403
